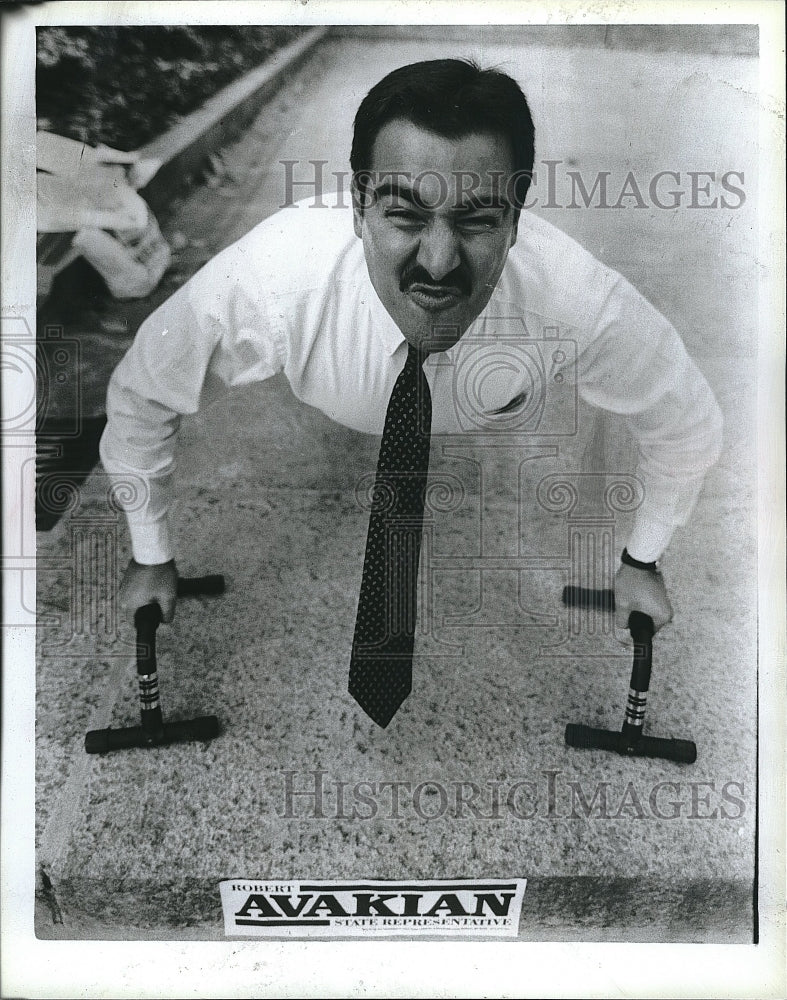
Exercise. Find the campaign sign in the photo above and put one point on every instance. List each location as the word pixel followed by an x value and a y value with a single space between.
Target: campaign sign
pixel 352 908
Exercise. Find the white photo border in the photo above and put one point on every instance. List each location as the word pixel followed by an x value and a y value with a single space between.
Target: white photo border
pixel 36 968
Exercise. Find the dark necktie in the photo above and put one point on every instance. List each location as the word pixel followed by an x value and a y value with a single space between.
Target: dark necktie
pixel 382 654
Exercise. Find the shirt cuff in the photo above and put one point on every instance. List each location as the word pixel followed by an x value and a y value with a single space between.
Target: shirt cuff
pixel 150 542
pixel 649 538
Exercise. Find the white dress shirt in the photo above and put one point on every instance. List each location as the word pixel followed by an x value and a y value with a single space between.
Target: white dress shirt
pixel 294 295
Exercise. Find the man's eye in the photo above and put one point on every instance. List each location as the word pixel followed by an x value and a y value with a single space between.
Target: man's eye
pixel 478 223
pixel 402 216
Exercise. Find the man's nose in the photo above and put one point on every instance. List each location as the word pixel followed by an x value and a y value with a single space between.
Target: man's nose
pixel 438 251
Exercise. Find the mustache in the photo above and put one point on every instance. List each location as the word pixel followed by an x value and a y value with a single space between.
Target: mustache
pixel 417 275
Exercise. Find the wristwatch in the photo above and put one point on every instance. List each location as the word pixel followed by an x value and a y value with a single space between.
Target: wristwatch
pixel 627 560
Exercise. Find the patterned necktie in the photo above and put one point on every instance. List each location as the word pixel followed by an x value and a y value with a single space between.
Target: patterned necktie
pixel 382 654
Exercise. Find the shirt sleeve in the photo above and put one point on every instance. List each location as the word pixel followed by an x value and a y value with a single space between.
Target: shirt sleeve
pixel 637 366
pixel 213 333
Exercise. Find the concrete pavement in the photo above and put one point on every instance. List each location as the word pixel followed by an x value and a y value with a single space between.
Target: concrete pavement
pixel 134 844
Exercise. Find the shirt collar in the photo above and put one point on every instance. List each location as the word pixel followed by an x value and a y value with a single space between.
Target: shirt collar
pixel 384 327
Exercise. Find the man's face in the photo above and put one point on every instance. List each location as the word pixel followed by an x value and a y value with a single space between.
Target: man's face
pixel 436 228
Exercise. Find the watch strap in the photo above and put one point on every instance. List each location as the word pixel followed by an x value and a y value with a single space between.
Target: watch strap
pixel 627 560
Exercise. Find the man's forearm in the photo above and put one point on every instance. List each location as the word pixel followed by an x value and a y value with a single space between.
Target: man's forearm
pixel 673 467
pixel 145 500
pixel 211 334
pixel 636 366
pixel 137 451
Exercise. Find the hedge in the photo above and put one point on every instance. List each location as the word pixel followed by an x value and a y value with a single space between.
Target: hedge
pixel 124 86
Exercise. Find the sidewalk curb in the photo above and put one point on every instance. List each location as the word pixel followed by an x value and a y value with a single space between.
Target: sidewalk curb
pixel 185 147
pixel 712 39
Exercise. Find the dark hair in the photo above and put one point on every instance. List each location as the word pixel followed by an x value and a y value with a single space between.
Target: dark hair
pixel 452 98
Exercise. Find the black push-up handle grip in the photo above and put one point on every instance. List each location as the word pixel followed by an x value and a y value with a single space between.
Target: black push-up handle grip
pixel 153 731
pixel 204 727
pixel 629 741
pixel 642 630
pixel 586 738
pixel 584 597
pixel 196 586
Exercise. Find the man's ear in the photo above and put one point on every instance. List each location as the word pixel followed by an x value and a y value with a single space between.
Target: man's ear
pixel 515 226
pixel 357 199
